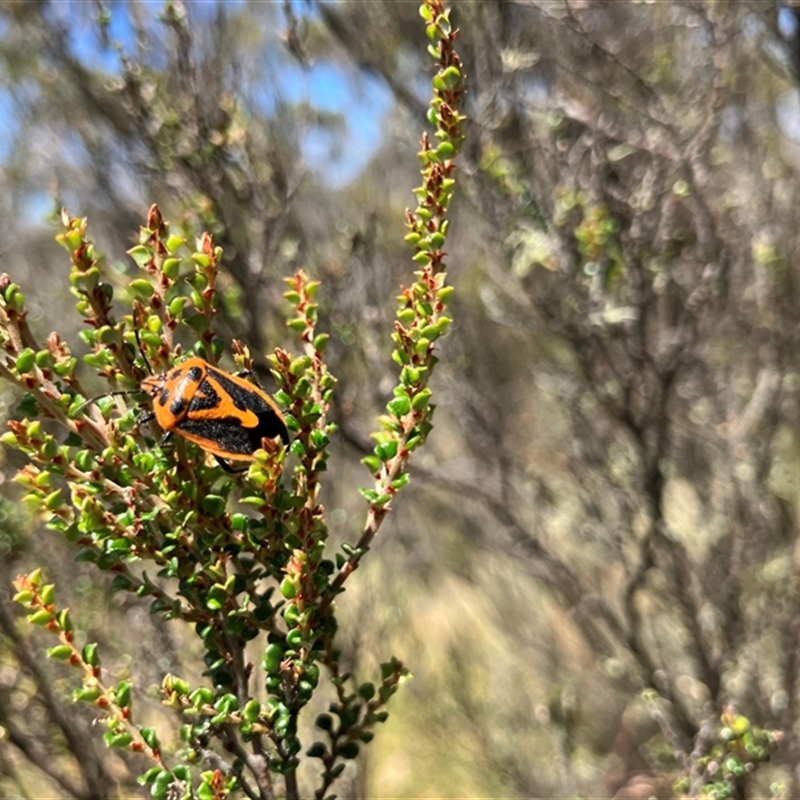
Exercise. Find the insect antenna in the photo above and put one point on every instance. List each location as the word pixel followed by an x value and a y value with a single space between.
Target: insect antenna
pixel 105 394
pixel 124 392
pixel 138 309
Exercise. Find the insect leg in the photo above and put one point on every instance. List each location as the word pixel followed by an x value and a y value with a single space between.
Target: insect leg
pixel 227 467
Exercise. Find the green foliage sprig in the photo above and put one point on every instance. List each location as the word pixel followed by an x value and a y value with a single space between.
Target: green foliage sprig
pixel 212 539
pixel 421 315
pixel 239 558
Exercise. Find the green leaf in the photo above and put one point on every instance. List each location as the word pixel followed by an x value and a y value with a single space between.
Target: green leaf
pixel 288 588
pixel 24 597
pixel 368 494
pixel 366 691
pixel 295 639
pixel 149 776
pixel 421 257
pixel 349 750
pixel 451 77
pixel 89 654
pixel 386 451
pixel 175 308
pixel 113 739
pixel 213 505
pixel 61 652
pixel 401 481
pixel 372 463
pixel 317 750
pixel 198 323
pixel 27 406
pixel 161 785
pixel 324 722
pixel 227 703
pixel 410 375
pixel 399 407
pixel 201 696
pixel 336 772
pixel 422 399
pixel 85 695
pixel 73 440
pixel 217 597
pixel 291 615
pixel 150 738
pixel 25 361
pixel 291 423
pixel 436 240
pixel 319 439
pixel 251 711
pixel 174 242
pixel 320 342
pixel 421 346
pixel 239 522
pixel 206 792
pixel 141 255
pixel 123 694
pixel 142 288
pixel 64 620
pixel 171 268
pixel 41 617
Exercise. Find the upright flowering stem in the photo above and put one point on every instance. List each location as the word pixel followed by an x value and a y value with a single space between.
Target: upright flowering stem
pixel 421 316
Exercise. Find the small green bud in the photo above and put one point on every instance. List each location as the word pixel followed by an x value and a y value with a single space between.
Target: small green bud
pixel 142 288
pixel 141 255
pixel 25 361
pixel 174 242
pixel 201 259
pixel 372 463
pixel 171 268
pixel 252 711
pixel 288 588
pixel 41 617
pixel 273 655
pixel 61 652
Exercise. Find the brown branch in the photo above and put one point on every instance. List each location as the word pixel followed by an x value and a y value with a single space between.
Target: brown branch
pixel 94 775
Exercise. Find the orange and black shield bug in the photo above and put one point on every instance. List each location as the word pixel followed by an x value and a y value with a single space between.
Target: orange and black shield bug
pixel 224 414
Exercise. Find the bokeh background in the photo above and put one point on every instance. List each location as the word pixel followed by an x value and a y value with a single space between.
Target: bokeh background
pixel 598 553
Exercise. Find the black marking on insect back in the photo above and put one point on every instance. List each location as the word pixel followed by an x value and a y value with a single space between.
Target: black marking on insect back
pixel 205 398
pixel 228 433
pixel 270 424
pixel 225 434
pixel 178 406
pixel 180 388
pixel 243 398
pixel 163 397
